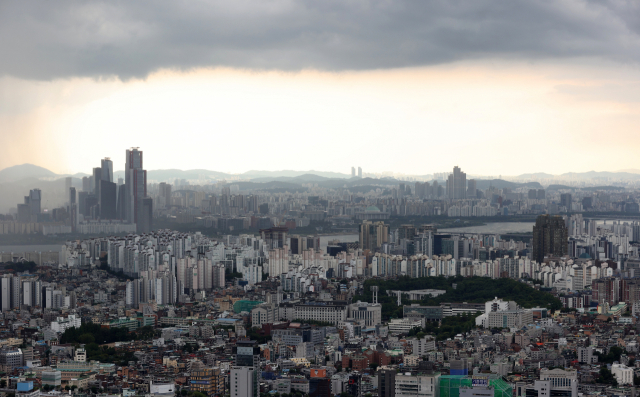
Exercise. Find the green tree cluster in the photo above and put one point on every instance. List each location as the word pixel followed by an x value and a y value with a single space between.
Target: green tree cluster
pixel 468 289
pixel 450 327
pixel 607 377
pixel 614 355
pixel 20 266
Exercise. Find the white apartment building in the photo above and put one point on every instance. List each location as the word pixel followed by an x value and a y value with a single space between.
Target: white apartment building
pixel 62 324
pixel 243 382
pixel 422 346
pixel 623 374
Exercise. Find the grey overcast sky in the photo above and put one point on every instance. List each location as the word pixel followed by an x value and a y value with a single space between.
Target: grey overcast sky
pixel 442 82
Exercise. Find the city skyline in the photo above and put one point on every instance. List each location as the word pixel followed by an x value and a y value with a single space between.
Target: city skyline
pixel 365 198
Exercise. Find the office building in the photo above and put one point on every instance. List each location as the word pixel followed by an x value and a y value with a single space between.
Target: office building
pixel 106 167
pixel 97 177
pixel 247 353
pixel 145 216
pixel 121 202
pixel 457 185
pixel 319 387
pixel 552 383
pixel 35 199
pixel 29 210
pixel 10 358
pixel 422 385
pixel 68 181
pixel 550 237
pixel 72 196
pixel 565 201
pixel 366 314
pixel 108 200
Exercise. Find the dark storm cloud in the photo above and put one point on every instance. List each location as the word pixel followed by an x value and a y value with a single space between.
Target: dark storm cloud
pixel 51 39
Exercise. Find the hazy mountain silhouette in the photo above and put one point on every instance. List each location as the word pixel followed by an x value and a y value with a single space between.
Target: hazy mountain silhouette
pixel 24 171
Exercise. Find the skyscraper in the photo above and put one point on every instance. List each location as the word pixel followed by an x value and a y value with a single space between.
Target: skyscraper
pixel 472 189
pixel 550 237
pixel 353 172
pixel 97 177
pixel 108 197
pixel 73 207
pixel 136 185
pixel 67 183
pixel 86 184
pixel 565 201
pixel 106 165
pixel 121 211
pixel 35 199
pixel 359 172
pixel 457 185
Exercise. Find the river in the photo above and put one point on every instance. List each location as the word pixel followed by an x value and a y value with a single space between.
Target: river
pixel 31 248
pixel 343 238
pixel 493 228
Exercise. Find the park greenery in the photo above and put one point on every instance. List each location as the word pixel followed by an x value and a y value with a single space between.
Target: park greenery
pixel 93 335
pixel 458 289
pixel 449 328
pixel 614 355
pixel 20 267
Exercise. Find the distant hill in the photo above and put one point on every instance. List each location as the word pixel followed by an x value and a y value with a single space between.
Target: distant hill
pixel 170 175
pixel 253 174
pixel 599 175
pixel 596 188
pixel 501 184
pixel 590 188
pixel 560 187
pixel 306 178
pixel 24 171
pixel 537 175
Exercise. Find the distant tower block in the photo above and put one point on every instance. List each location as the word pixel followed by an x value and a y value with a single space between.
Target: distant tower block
pixel 399 299
pixel 374 290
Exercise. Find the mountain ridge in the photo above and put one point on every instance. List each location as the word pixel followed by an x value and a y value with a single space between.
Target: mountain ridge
pixel 27 170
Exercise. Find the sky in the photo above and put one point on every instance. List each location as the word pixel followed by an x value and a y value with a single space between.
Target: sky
pixel 495 87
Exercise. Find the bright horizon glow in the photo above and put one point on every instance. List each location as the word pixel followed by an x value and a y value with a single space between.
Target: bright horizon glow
pixel 509 119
